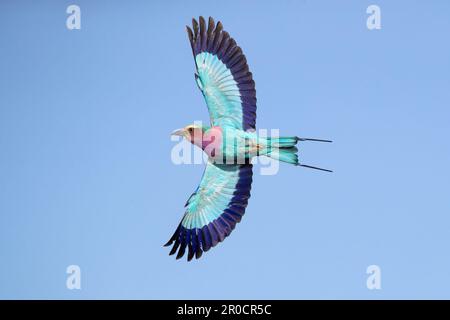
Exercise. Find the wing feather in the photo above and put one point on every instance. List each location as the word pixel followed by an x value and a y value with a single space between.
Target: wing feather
pixel 213 210
pixel 227 83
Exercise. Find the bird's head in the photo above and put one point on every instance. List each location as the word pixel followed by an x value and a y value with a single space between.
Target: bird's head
pixel 193 133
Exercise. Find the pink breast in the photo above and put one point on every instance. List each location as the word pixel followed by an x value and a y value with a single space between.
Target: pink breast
pixel 212 142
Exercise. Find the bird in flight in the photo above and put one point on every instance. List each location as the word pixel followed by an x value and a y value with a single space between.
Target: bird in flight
pixel 231 141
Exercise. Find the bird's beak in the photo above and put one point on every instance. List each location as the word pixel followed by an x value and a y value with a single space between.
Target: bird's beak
pixel 178 132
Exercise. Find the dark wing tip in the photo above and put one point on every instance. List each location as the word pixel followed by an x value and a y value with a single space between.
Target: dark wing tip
pixel 190 252
pixel 190 36
pixel 198 253
pixel 189 31
pixel 210 25
pixel 168 243
pixel 181 251
pixel 174 248
pixel 195 26
pixel 202 23
pixel 219 26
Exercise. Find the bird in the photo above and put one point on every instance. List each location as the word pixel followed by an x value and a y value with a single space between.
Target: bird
pixel 231 142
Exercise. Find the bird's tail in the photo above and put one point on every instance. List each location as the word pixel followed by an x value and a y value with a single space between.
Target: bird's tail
pixel 284 149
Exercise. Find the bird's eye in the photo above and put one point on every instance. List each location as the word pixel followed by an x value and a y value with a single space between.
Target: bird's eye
pixel 190 129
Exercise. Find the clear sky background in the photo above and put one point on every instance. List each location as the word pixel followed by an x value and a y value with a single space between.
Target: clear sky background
pixel 86 176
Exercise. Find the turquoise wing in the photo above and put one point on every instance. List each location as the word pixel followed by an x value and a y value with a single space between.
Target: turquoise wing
pixel 223 76
pixel 213 210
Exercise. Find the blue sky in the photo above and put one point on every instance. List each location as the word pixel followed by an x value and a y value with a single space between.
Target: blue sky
pixel 86 176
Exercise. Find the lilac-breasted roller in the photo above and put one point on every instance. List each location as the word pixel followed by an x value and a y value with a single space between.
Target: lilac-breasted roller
pixel 230 142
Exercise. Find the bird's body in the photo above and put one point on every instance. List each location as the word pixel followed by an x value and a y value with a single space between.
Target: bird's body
pixel 229 145
pixel 231 141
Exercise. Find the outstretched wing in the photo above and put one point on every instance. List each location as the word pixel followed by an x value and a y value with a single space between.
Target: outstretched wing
pixel 223 76
pixel 213 210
